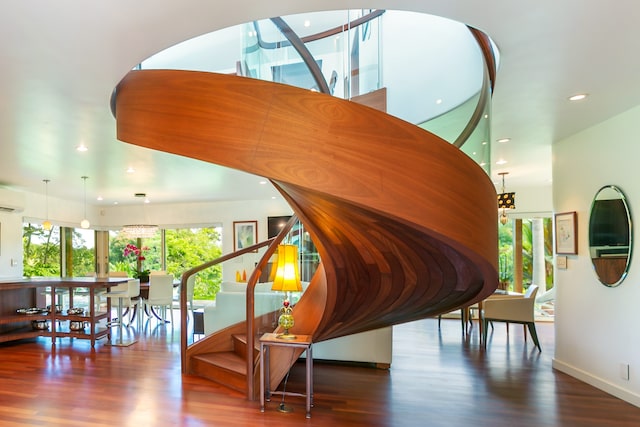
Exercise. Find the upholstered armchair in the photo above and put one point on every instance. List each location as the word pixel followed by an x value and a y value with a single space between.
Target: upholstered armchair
pixel 512 310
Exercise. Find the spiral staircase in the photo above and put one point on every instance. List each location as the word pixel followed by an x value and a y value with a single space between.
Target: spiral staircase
pixel 404 222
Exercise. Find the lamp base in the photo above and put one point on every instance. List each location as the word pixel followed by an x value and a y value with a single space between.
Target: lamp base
pixel 286 336
pixel 284 408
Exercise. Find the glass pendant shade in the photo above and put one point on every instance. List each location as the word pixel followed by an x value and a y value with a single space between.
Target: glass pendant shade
pixel 46 224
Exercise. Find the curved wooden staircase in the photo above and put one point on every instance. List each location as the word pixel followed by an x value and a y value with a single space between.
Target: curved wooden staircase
pixel 405 223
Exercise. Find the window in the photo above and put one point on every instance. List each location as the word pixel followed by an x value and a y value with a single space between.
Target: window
pixel 60 251
pixel 175 251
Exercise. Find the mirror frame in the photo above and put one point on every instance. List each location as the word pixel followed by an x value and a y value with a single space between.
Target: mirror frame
pixel 610 264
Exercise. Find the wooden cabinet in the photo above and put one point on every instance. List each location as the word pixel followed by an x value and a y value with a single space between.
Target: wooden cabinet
pixel 63 293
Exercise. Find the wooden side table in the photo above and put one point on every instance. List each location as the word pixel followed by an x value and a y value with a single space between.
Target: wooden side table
pixel 301 341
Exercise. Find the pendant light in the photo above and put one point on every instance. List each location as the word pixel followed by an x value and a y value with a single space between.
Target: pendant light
pixel 85 222
pixel 505 201
pixel 140 230
pixel 46 224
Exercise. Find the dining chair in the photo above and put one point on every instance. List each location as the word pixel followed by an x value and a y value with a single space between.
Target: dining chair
pixel 462 319
pixel 512 310
pixel 160 294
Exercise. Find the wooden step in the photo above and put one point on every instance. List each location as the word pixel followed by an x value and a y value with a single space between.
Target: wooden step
pixel 226 368
pixel 240 346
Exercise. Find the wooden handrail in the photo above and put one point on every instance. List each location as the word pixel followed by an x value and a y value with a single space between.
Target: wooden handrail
pixel 183 293
pixel 488 81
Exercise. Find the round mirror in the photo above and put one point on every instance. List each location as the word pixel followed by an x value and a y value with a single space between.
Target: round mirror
pixel 610 235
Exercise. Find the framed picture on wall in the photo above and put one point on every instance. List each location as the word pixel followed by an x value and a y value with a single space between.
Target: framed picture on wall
pixel 245 234
pixel 566 235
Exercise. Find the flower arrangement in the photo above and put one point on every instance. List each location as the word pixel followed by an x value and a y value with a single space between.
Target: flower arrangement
pixel 131 251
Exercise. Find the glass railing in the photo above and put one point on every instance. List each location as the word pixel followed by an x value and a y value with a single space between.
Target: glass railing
pixel 432 67
pixel 229 306
pixel 274 50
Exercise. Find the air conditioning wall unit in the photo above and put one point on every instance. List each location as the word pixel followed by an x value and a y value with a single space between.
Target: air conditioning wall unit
pixel 11 201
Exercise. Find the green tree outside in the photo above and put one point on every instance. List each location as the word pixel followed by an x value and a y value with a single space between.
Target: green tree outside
pixel 186 248
pixel 506 255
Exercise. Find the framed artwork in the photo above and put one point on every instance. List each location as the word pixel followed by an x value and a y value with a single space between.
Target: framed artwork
pixel 566 236
pixel 245 234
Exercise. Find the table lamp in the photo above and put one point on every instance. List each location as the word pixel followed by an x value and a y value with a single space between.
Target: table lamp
pixel 287 279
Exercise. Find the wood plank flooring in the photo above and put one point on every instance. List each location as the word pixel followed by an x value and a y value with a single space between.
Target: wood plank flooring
pixel 437 378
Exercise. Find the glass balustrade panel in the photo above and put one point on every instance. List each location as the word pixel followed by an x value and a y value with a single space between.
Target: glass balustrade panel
pixel 432 67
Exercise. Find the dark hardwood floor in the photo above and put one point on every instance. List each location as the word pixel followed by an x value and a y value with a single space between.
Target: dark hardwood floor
pixel 437 378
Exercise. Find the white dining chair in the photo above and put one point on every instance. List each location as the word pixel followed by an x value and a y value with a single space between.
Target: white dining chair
pixel 160 295
pixel 512 310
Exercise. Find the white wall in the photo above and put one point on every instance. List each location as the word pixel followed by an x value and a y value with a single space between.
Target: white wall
pixel 596 326
pixel 10 246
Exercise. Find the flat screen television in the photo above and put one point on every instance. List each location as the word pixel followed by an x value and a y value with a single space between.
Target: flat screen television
pixel 609 225
pixel 275 224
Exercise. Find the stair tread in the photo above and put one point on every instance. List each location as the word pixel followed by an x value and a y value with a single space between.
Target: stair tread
pixel 243 339
pixel 226 359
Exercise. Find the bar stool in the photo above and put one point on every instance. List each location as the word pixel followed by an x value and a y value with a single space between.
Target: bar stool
pixel 127 294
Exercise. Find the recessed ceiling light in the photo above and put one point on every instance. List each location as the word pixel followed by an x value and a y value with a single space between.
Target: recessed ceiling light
pixel 501 162
pixel 504 140
pixel 263 182
pixel 82 147
pixel 100 198
pixel 484 142
pixel 578 97
pixel 130 169
pixel 438 101
pixel 307 23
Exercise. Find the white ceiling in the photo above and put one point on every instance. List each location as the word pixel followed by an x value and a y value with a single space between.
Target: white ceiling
pixel 61 60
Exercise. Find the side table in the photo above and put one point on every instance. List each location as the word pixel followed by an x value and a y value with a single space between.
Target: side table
pixel 270 340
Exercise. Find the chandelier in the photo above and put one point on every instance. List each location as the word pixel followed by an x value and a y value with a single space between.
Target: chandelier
pixel 140 231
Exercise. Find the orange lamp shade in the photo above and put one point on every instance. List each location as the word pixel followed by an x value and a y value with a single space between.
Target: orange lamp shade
pixel 287 278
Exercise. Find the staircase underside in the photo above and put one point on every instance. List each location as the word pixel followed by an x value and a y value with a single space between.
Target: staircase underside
pixel 405 223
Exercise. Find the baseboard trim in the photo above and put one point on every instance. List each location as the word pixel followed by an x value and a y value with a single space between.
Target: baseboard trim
pixel 597 382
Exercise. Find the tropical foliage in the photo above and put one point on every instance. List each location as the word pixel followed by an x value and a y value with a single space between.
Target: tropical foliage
pixel 506 252
pixel 41 249
pixel 185 249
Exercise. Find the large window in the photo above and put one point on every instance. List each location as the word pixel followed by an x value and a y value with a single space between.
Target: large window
pixel 180 250
pixel 60 251
pixel 70 252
